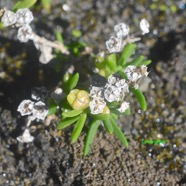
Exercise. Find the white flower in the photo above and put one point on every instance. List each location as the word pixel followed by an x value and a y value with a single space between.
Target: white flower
pixel 24 16
pixel 124 106
pixel 40 110
pixel 9 18
pixel 132 73
pixel 114 44
pixel 123 85
pixel 144 26
pixel 97 105
pixel 121 30
pixel 24 33
pixel 25 107
pixel 26 137
pixel 95 92
pixel 111 93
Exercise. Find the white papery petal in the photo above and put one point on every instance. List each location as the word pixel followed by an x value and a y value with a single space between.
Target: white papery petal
pixel 9 18
pixel 26 137
pixel 144 26
pixel 24 16
pixel 25 107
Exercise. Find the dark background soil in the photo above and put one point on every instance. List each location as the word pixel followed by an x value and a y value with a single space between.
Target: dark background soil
pixel 51 159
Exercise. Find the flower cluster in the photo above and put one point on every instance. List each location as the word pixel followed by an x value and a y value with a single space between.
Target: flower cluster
pixel 22 18
pixel 135 74
pixel 115 89
pixel 116 43
pixel 36 110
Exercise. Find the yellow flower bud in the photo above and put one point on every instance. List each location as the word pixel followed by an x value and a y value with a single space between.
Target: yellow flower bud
pixel 78 99
pixel 106 110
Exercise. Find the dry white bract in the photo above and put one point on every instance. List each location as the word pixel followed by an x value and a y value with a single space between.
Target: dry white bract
pixel 97 105
pixel 132 73
pixel 25 107
pixel 24 16
pixel 9 18
pixel 144 26
pixel 121 30
pixel 114 44
pixel 24 33
pixel 40 110
pixel 95 92
pixel 124 106
pixel 26 137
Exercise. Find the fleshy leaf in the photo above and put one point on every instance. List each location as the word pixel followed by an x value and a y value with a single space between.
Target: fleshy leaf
pixel 100 116
pixel 72 113
pixel 78 127
pixel 90 135
pixel 146 62
pixel 24 4
pixel 111 61
pixel 108 125
pixel 127 52
pixel 136 62
pixel 118 133
pixel 66 122
pixel 74 80
pixel 140 97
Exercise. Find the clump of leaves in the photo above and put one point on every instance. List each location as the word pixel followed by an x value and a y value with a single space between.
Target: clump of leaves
pixel 76 106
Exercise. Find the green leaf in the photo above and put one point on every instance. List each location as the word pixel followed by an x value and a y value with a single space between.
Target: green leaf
pixel 136 62
pixel 46 5
pixel 23 4
pixel 127 112
pixel 118 133
pixel 59 36
pixel 111 61
pixel 52 107
pixel 140 97
pixel 146 62
pixel 78 127
pixel 100 116
pixel 128 50
pixel 74 80
pixel 90 135
pixel 72 113
pixel 66 122
pixel 108 125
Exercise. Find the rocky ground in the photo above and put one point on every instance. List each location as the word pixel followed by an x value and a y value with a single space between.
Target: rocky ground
pixel 51 159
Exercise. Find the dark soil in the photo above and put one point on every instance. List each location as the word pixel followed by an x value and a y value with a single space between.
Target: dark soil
pixel 51 159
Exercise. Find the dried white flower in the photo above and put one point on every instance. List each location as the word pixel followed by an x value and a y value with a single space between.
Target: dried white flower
pixel 111 93
pixel 26 137
pixel 24 33
pixel 112 79
pixel 132 73
pixel 24 16
pixel 9 18
pixel 97 105
pixel 124 106
pixel 95 92
pixel 46 54
pixel 57 94
pixel 40 110
pixel 121 30
pixel 143 69
pixel 144 26
pixel 114 44
pixel 25 107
